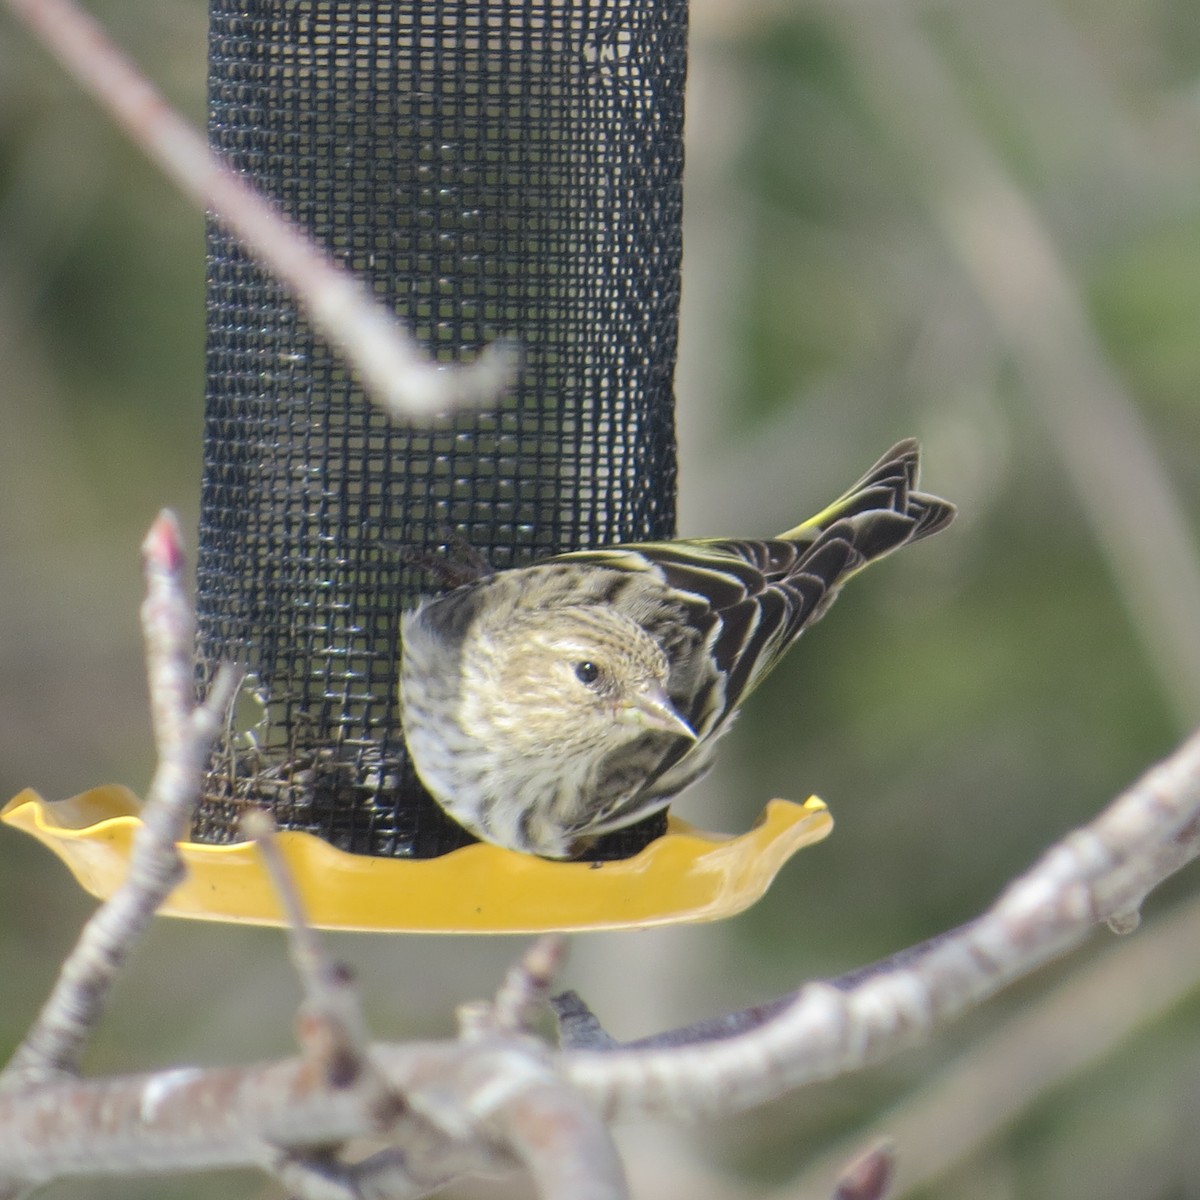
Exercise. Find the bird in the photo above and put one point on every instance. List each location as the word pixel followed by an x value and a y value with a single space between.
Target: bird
pixel 545 705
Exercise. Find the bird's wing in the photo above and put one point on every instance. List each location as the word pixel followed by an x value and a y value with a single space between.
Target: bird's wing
pixel 751 599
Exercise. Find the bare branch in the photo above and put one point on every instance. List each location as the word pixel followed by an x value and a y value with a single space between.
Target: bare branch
pixel 564 1143
pixel 526 988
pixel 392 1174
pixel 185 736
pixel 486 1100
pixel 1022 278
pixel 506 1092
pixel 466 1107
pixel 418 1169
pixel 182 1120
pixel 869 1175
pixel 578 1027
pixel 508 1096
pixel 1101 870
pixel 393 367
pixel 1041 1044
pixel 331 1028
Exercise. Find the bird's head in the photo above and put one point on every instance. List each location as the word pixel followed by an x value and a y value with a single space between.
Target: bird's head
pixel 577 678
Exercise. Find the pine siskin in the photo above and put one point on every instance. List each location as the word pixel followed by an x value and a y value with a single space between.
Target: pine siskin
pixel 548 704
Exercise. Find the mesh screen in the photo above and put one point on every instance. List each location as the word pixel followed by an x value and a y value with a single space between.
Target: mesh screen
pixel 492 168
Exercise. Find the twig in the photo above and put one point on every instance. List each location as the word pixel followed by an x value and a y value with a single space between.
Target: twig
pixel 394 370
pixel 1102 869
pixel 332 1032
pixel 184 736
pixel 1012 259
pixel 331 1027
pixel 390 1175
pixel 329 994
pixel 578 1027
pixel 524 993
pixel 564 1143
pixel 507 1096
pixel 941 1124
pixel 868 1176
pixel 526 988
pixel 478 1101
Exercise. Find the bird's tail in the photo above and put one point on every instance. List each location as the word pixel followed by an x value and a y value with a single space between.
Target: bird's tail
pixel 803 571
pixel 879 514
pixel 884 509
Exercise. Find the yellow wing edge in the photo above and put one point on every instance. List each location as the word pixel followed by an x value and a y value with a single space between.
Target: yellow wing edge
pixel 686 875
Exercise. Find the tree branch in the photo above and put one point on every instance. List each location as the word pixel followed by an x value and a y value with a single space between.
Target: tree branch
pixel 484 1100
pixel 394 369
pixel 184 734
pixel 1099 872
pixel 1022 278
pixel 1038 1047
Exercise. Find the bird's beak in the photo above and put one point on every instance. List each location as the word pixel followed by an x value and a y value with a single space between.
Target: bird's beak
pixel 652 709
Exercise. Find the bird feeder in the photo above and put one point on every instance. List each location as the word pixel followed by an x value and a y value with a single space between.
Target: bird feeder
pixel 491 170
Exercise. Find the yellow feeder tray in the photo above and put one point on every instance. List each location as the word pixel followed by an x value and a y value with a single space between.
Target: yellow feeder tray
pixel 685 875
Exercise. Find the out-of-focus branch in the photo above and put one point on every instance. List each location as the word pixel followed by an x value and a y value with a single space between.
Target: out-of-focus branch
pixel 507 1098
pixel 184 734
pixel 395 371
pixel 1012 259
pixel 331 1027
pixel 460 1106
pixel 393 1174
pixel 868 1176
pixel 497 1096
pixel 1096 874
pixel 525 993
pixel 493 1097
pixel 563 1142
pixel 1042 1044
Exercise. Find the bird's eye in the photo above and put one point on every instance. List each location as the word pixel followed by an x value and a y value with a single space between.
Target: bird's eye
pixel 587 672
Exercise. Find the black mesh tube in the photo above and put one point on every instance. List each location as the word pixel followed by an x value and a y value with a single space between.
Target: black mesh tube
pixel 493 169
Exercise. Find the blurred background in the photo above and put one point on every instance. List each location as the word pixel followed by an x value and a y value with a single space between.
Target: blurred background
pixel 975 223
